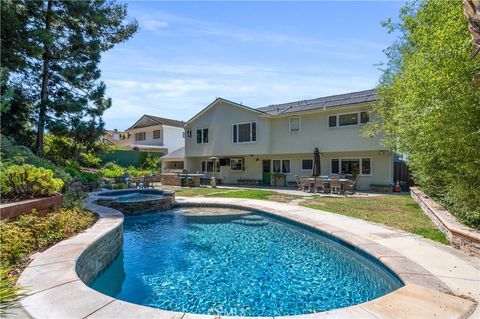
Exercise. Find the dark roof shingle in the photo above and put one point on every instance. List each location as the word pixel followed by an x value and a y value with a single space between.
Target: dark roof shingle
pixel 321 103
pixel 166 121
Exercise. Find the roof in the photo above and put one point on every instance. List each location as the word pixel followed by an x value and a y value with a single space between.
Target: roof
pixel 321 103
pixel 219 99
pixel 178 153
pixel 158 120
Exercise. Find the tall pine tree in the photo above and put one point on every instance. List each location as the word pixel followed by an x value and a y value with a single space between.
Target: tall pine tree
pixel 59 52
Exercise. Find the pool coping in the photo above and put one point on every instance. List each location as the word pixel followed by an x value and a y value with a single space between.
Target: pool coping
pixel 56 291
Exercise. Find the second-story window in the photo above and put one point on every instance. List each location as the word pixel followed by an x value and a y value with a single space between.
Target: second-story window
pixel 348 119
pixel 140 136
pixel 202 136
pixel 244 132
pixel 156 134
pixel 189 133
pixel 294 124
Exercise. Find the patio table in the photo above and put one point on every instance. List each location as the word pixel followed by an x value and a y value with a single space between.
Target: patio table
pixel 343 181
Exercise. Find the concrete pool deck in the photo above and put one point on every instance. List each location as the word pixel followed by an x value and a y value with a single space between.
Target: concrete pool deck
pixel 440 282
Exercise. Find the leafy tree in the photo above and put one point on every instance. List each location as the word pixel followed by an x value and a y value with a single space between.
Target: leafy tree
pixel 55 59
pixel 429 107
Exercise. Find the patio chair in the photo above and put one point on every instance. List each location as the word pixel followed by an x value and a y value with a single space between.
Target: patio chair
pixel 326 187
pixel 148 181
pixel 335 185
pixel 319 185
pixel 303 184
pixel 351 186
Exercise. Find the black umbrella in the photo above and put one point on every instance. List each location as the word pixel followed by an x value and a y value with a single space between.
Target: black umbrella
pixel 316 163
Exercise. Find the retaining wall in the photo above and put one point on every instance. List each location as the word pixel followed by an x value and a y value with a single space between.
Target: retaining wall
pixel 461 237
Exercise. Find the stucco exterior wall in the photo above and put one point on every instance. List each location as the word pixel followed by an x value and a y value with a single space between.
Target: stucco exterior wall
pixel 314 132
pixel 171 137
pixel 381 166
pixel 219 121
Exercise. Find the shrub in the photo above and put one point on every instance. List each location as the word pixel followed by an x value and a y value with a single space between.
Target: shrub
pixel 29 233
pixel 9 292
pixel 135 172
pixel 13 154
pixel 112 170
pixel 90 160
pixel 72 199
pixel 27 181
pixel 152 164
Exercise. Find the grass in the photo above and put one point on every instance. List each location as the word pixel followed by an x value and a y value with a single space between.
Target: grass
pixel 398 211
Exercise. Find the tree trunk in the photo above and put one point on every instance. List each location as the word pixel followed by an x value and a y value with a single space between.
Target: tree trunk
pixel 44 92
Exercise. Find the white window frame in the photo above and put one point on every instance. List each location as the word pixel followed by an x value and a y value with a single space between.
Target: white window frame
pixel 290 124
pixel 235 159
pixel 238 136
pixel 159 134
pixel 301 164
pixel 281 166
pixel 350 125
pixel 340 159
pixel 144 134
pixel 202 137
pixel 189 133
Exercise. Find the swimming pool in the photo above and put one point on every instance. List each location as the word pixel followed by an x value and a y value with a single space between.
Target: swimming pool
pixel 250 264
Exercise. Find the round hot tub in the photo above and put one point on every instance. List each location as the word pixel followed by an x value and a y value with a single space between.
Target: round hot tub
pixel 137 201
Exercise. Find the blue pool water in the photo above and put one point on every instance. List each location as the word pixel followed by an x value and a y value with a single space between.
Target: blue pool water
pixel 253 265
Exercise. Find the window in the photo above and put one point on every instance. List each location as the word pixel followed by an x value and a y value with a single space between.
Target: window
pixel 307 164
pixel 140 136
pixel 332 121
pixel 202 136
pixel 281 166
pixel 236 164
pixel 156 134
pixel 335 166
pixel 244 132
pixel 183 134
pixel 209 167
pixel 189 133
pixel 205 135
pixel 348 119
pixel 352 166
pixel 366 166
pixel 364 117
pixel 294 124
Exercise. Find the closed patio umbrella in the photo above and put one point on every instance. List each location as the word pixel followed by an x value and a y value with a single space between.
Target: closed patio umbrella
pixel 316 165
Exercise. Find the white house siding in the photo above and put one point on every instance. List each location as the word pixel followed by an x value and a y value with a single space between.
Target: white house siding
pixel 173 137
pixel 219 121
pixel 381 166
pixel 275 141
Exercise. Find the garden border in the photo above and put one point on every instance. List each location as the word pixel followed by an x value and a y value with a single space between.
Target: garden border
pixel 460 236
pixel 56 290
pixel 42 205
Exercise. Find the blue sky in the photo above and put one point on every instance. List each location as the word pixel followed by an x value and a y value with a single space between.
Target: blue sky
pixel 258 53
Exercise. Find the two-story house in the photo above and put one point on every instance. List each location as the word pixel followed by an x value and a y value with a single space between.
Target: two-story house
pixel 154 134
pixel 249 143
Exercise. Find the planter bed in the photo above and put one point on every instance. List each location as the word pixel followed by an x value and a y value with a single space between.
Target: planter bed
pixel 42 206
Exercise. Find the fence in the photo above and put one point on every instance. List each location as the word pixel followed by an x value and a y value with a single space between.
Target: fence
pixel 128 157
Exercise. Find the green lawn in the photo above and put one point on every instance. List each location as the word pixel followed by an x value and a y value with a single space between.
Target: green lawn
pixel 398 211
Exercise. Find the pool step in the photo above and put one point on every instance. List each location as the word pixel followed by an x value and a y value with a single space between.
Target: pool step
pixel 252 217
pixel 251 220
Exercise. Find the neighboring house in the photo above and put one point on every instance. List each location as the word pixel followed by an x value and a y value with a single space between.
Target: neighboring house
pixel 251 144
pixel 154 134
pixel 115 137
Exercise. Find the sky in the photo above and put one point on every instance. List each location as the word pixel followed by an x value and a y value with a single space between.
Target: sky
pixel 186 54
